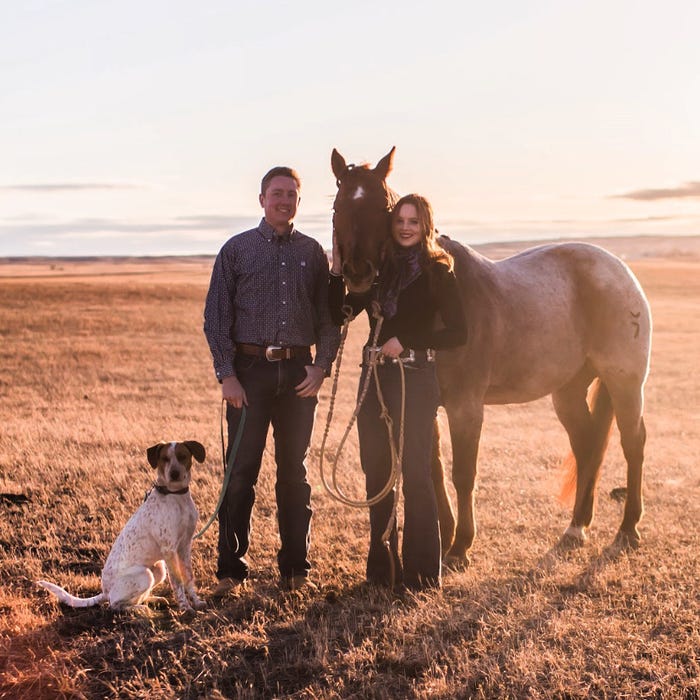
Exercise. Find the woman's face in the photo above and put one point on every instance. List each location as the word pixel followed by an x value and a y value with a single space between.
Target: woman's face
pixel 407 230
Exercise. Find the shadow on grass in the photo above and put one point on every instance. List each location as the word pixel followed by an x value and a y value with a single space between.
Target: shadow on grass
pixel 339 641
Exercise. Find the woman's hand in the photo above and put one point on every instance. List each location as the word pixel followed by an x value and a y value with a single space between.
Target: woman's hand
pixel 392 348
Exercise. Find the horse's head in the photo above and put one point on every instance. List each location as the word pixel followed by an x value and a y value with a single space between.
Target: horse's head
pixel 361 218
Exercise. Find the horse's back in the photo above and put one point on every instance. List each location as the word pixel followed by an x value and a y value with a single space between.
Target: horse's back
pixel 547 311
pixel 603 290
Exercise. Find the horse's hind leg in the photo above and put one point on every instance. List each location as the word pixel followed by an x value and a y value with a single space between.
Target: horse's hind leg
pixel 629 405
pixel 465 430
pixel 445 514
pixel 588 429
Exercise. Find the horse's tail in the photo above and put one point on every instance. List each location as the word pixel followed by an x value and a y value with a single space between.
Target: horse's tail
pixel 600 426
pixel 65 597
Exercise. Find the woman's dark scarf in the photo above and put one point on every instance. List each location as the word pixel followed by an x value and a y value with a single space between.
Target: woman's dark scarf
pixel 396 277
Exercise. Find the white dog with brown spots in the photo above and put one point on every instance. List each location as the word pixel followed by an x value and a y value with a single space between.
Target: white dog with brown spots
pixel 156 541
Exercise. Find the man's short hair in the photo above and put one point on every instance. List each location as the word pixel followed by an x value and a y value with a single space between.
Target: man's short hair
pixel 278 170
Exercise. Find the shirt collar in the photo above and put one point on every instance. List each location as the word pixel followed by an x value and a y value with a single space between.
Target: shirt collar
pixel 270 234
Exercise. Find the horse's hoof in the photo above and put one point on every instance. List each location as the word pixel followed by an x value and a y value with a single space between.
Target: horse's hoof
pixel 627 541
pixel 456 562
pixel 570 541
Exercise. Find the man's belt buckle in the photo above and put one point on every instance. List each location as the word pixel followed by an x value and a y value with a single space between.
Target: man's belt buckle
pixel 269 353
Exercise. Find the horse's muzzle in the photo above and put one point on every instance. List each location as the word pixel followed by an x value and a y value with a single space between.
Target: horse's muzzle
pixel 359 277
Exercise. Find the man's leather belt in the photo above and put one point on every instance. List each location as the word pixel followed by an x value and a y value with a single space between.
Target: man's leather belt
pixel 273 353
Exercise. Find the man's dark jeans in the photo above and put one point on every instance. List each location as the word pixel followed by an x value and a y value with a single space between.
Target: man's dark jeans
pixel 421 552
pixel 269 387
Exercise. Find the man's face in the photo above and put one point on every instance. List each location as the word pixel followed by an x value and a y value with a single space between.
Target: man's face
pixel 280 202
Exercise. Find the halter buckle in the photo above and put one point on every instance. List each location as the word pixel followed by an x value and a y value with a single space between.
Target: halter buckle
pixel 372 354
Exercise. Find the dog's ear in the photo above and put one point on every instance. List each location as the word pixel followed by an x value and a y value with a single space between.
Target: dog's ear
pixel 153 452
pixel 197 449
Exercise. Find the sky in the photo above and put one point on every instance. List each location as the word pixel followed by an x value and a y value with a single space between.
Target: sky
pixel 144 128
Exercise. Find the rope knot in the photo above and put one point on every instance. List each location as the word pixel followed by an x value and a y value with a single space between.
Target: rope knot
pixel 347 312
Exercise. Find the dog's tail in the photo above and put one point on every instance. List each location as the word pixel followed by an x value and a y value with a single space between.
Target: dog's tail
pixel 68 599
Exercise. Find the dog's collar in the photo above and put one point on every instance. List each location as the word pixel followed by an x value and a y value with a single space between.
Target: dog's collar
pixel 165 491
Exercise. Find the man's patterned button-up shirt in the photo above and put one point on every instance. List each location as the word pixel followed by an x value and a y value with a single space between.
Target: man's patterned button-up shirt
pixel 267 289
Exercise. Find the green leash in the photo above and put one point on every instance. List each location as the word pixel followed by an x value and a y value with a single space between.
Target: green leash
pixel 229 464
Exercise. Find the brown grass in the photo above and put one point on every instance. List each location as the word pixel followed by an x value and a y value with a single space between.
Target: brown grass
pixel 101 359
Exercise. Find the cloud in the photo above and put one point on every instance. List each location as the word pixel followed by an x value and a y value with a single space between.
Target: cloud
pixel 688 189
pixel 206 221
pixel 193 234
pixel 599 222
pixel 648 219
pixel 100 226
pixel 68 187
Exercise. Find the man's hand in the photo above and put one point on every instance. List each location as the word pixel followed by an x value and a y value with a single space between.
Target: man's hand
pixel 311 385
pixel 392 348
pixel 336 266
pixel 233 392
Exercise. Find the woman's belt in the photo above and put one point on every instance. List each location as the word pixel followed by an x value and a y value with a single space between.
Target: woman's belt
pixel 273 353
pixel 372 353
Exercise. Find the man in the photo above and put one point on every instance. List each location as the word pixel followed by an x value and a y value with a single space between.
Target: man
pixel 267 304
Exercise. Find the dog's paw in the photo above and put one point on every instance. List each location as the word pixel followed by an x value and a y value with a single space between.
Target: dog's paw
pixel 199 604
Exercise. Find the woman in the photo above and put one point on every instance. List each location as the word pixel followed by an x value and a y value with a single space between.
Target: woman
pixel 422 312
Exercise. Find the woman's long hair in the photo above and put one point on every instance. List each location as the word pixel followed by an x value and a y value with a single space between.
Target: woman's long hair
pixel 430 249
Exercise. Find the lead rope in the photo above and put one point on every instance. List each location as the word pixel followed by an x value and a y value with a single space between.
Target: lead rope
pixel 335 490
pixel 229 464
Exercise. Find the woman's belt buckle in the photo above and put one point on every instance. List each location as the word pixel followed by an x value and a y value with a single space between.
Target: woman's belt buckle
pixel 406 356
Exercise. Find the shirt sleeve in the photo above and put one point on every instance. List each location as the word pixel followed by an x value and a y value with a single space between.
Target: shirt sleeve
pixel 453 331
pixel 219 315
pixel 327 332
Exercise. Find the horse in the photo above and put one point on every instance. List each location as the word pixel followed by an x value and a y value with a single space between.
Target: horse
pixel 568 320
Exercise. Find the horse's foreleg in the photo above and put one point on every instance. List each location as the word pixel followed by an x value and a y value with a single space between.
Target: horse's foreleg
pixel 465 431
pixel 445 513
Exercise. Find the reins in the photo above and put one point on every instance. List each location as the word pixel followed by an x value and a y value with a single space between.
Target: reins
pixel 229 463
pixel 393 483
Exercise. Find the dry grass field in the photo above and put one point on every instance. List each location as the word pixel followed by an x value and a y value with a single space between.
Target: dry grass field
pixel 100 359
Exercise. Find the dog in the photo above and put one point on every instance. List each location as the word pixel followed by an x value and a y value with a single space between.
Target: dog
pixel 155 542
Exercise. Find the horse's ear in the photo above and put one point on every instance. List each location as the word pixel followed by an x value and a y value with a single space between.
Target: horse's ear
pixel 383 167
pixel 337 163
